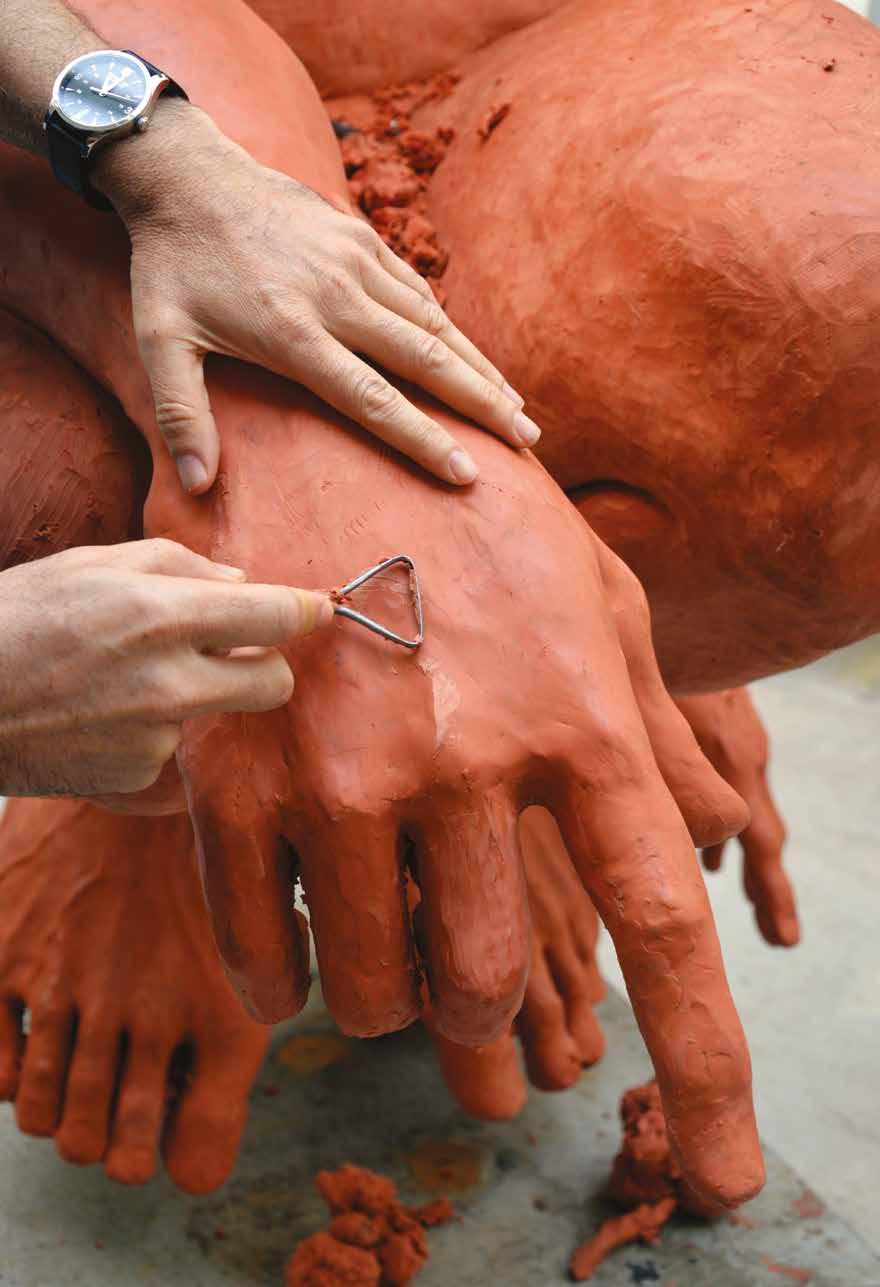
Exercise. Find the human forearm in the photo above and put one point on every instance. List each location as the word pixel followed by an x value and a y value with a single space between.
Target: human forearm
pixel 37 38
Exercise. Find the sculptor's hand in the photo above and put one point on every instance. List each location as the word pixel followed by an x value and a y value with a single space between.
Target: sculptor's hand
pixel 231 257
pixel 733 739
pixel 104 652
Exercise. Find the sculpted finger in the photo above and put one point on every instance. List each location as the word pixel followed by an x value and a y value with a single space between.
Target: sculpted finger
pixel 473 918
pixel 487 1082
pixel 247 868
pixel 356 895
pixel 365 396
pixel 424 357
pixel 711 808
pixel 636 860
pixel 183 413
pixel 766 882
pixel 713 856
pixel 11 1046
pixel 553 1059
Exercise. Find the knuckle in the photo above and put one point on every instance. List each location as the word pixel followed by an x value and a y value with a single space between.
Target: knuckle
pixel 433 319
pixel 377 401
pixel 670 928
pixel 432 355
pixel 160 553
pixel 176 420
pixel 614 757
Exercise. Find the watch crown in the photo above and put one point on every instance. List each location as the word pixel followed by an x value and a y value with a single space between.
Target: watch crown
pixel 141 124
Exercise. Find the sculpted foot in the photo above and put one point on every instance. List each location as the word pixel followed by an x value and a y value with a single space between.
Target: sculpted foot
pixel 105 944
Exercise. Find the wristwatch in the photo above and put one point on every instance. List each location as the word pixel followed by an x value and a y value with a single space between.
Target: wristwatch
pixel 97 98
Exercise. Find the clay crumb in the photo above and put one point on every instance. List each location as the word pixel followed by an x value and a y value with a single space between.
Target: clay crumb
pixel 493 120
pixel 373 1240
pixel 830 65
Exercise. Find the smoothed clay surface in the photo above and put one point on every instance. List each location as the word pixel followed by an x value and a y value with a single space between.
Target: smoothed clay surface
pixel 675 260
pixel 351 45
pixel 135 1037
pixel 373 1240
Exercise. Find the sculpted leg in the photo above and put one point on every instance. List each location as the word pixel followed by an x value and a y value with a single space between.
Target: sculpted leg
pixel 698 337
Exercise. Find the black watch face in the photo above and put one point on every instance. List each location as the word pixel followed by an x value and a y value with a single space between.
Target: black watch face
pixel 102 90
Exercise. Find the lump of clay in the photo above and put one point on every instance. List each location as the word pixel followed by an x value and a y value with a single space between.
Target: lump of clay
pixel 685 289
pixel 646 1181
pixel 373 1240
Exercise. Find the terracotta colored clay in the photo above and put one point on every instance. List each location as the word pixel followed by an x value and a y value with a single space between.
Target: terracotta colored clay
pixel 105 942
pixel 685 290
pixel 73 471
pixel 373 1239
pixel 731 735
pixel 557 1027
pixel 350 45
pixel 388 165
pixel 643 1224
pixel 645 1180
pixel 529 687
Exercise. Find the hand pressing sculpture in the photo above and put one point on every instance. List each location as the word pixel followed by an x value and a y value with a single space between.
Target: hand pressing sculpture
pixel 135 1041
pixel 685 289
pixel 732 737
pixel 511 576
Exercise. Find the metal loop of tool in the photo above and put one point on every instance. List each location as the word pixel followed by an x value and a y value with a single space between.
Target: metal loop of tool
pixel 377 628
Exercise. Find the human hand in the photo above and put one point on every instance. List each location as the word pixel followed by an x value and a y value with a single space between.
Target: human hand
pixel 106 651
pixel 733 739
pixel 229 256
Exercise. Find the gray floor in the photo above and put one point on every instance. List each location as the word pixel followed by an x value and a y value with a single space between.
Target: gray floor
pixel 525 1193
pixel 816 1053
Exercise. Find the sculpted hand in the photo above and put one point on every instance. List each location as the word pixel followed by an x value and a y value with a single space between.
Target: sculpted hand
pixel 231 257
pixel 106 651
pixel 733 739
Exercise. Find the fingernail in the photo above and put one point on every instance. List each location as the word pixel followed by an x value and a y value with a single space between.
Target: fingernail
pixel 461 467
pixel 234 574
pixel 509 392
pixel 325 613
pixel 527 432
pixel 191 471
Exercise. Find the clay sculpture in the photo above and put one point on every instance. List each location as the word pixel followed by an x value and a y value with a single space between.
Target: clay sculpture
pixel 697 337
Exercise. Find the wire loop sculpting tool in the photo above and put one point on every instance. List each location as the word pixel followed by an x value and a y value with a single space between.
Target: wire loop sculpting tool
pixel 343 610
